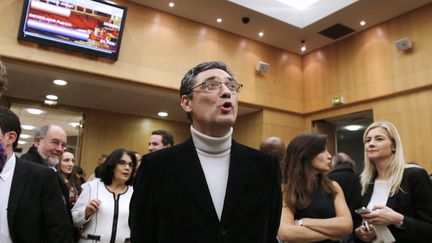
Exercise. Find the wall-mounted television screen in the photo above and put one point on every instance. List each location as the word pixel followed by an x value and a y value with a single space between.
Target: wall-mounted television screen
pixel 91 26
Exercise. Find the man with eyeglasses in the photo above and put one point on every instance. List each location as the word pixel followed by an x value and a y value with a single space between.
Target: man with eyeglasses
pixel 31 207
pixel 48 145
pixel 209 188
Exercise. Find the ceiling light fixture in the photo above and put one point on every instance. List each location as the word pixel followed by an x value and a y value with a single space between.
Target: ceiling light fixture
pixel 35 111
pixel 261 34
pixel 52 97
pixel 303 46
pixel 75 124
pixel 163 114
pixel 25 136
pixel 171 4
pixel 353 127
pixel 362 23
pixel 50 102
pixel 219 20
pixel 27 127
pixel 22 142
pixel 59 82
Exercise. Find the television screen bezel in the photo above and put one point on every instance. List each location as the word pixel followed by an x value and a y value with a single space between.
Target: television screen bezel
pixel 39 40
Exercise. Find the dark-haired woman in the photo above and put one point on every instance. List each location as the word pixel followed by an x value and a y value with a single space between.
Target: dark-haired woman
pixel 314 207
pixel 103 206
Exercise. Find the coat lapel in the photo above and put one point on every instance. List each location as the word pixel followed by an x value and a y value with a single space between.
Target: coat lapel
pixel 19 182
pixel 191 175
pixel 240 173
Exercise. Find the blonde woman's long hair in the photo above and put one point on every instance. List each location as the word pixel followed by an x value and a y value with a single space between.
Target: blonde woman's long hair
pixel 397 165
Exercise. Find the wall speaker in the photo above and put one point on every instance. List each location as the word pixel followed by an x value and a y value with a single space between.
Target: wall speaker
pixel 403 44
pixel 262 67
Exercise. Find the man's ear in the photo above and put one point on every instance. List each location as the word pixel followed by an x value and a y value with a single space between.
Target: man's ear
pixel 186 103
pixel 10 138
pixel 37 140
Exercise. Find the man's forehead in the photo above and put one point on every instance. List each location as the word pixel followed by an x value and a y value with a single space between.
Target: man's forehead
pixel 156 137
pixel 213 73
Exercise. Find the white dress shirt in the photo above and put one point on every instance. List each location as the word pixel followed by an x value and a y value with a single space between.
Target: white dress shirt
pixel 6 177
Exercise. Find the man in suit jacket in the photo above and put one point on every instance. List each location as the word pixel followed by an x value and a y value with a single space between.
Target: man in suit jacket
pixel 49 144
pixel 32 209
pixel 209 188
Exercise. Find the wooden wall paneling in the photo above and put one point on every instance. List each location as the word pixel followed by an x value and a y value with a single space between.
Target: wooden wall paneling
pixel 158 48
pixel 104 132
pixel 248 129
pixel 367 65
pixel 411 113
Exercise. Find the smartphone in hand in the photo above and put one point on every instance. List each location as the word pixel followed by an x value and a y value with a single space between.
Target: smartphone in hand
pixel 366 225
pixel 362 210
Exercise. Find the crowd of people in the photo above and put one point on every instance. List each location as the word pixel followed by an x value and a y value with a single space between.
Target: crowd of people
pixel 211 188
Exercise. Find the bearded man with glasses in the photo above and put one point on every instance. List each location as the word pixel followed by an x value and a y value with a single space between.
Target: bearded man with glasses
pixel 48 147
pixel 209 188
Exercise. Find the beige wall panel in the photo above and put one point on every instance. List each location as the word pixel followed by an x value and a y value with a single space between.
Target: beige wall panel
pixel 158 48
pixel 283 125
pixel 367 65
pixel 410 113
pixel 104 132
pixel 248 129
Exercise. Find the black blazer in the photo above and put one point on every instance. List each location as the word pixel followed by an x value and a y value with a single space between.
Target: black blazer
pixel 36 211
pixel 172 203
pixel 344 175
pixel 414 201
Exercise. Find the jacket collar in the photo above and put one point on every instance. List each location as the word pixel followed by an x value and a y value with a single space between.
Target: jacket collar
pixel 189 171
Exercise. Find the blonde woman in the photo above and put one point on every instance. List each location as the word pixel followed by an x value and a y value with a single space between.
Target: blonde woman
pixel 314 207
pixel 398 196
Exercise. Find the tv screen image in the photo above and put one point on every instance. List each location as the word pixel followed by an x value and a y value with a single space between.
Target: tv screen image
pixel 91 26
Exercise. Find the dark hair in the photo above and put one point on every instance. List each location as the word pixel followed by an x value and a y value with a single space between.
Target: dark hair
pixel 107 168
pixel 188 80
pixel 10 122
pixel 343 159
pixel 299 181
pixel 167 137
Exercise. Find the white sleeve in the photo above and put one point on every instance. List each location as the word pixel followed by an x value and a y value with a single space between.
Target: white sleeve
pixel 78 210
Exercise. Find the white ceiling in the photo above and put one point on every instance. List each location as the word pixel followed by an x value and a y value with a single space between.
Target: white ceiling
pixel 32 81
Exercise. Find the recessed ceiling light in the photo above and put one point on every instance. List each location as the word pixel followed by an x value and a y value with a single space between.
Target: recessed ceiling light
pixel 171 4
pixel 261 34
pixel 22 135
pixel 50 102
pixel 52 97
pixel 60 82
pixel 27 127
pixel 219 20
pixel 35 111
pixel 163 114
pixel 303 49
pixel 362 23
pixel 75 124
pixel 22 142
pixel 353 127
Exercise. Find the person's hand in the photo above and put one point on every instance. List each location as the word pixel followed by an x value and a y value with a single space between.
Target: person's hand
pixel 92 207
pixel 364 234
pixel 383 215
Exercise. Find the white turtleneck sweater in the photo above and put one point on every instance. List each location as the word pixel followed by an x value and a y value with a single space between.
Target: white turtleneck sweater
pixel 214 155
